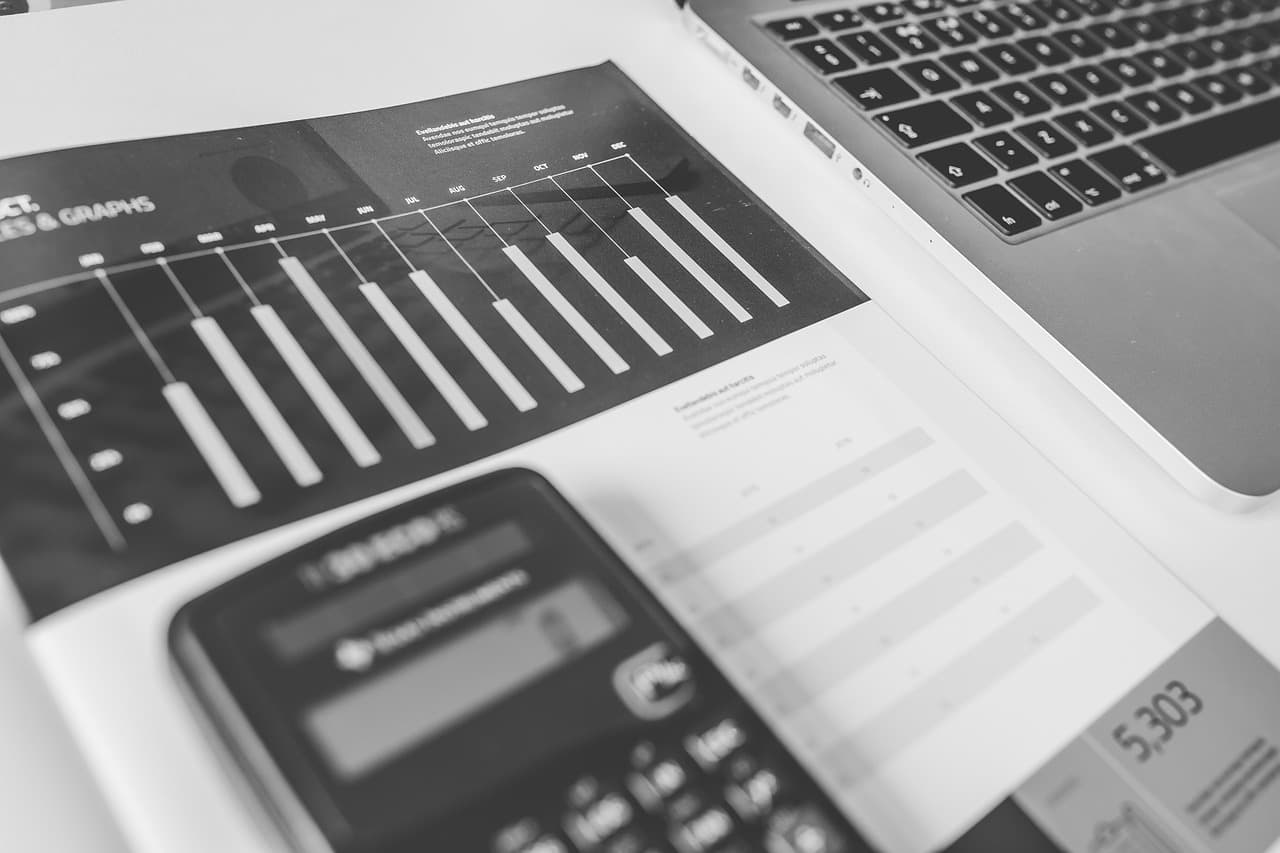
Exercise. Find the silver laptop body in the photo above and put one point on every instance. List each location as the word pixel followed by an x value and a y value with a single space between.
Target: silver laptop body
pixel 1162 304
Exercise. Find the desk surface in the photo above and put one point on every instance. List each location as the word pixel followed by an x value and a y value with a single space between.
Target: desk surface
pixel 108 67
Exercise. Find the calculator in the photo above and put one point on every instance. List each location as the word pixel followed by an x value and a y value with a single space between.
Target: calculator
pixel 476 670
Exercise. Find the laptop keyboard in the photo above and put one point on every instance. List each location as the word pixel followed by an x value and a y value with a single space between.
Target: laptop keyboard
pixel 1039 113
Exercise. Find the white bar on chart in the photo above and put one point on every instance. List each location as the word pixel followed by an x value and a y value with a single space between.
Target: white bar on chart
pixel 218 455
pixel 675 303
pixel 609 295
pixel 412 426
pixel 506 380
pixel 565 309
pixel 426 360
pixel 264 412
pixel 691 266
pixel 534 341
pixel 317 387
pixel 752 274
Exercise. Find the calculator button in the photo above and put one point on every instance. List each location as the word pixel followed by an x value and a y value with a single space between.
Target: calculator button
pixel 825 56
pixel 924 124
pixel 1084 127
pixel 659 782
pixel 1085 181
pixel 803 829
pixel 1129 169
pixel 1007 151
pixel 959 165
pixel 1046 195
pixel 840 19
pixel 793 28
pixel 985 110
pixel 599 820
pixel 710 745
pixel 1005 212
pixel 654 683
pixel 929 76
pixel 882 87
pixel 969 67
pixel 868 47
pixel 702 831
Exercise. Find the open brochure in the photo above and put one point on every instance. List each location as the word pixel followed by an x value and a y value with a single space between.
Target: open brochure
pixel 216 346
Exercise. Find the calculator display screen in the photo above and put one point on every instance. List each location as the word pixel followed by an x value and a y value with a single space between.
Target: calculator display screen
pixel 377 720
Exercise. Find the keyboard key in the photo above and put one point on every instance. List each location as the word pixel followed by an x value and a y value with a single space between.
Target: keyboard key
pixel 1128 71
pixel 1046 50
pixel 929 76
pixel 882 13
pixel 1128 168
pixel 1112 35
pixel 911 39
pixel 984 110
pixel 1011 154
pixel 1247 80
pixel 1005 212
pixel 1085 182
pixel 1190 54
pixel 868 47
pixel 1008 59
pixel 1218 89
pixel 1023 16
pixel 959 165
pixel 1205 15
pixel 924 7
pixel 825 56
pixel 1129 4
pixel 1023 99
pixel 1120 116
pixel 1186 97
pixel 882 87
pixel 924 124
pixel 1177 20
pixel 1046 195
pixel 1096 8
pixel 948 30
pixel 793 28
pixel 840 19
pixel 1094 80
pixel 1216 138
pixel 969 68
pixel 1154 107
pixel 1252 39
pixel 1162 63
pixel 1145 27
pixel 1046 139
pixel 1080 43
pixel 1084 127
pixel 1058 11
pixel 1268 68
pixel 1222 48
pixel 1059 89
pixel 1233 10
pixel 987 23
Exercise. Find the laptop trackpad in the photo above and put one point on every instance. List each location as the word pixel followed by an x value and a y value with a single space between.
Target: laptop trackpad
pixel 1258 204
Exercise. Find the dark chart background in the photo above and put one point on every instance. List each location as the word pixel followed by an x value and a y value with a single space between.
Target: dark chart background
pixel 187 389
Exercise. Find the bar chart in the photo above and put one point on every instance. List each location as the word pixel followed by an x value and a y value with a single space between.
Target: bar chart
pixel 169 403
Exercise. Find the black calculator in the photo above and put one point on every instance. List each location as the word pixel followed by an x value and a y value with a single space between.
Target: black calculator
pixel 476 670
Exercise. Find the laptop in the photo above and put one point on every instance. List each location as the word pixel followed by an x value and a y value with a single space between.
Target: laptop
pixel 1103 173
